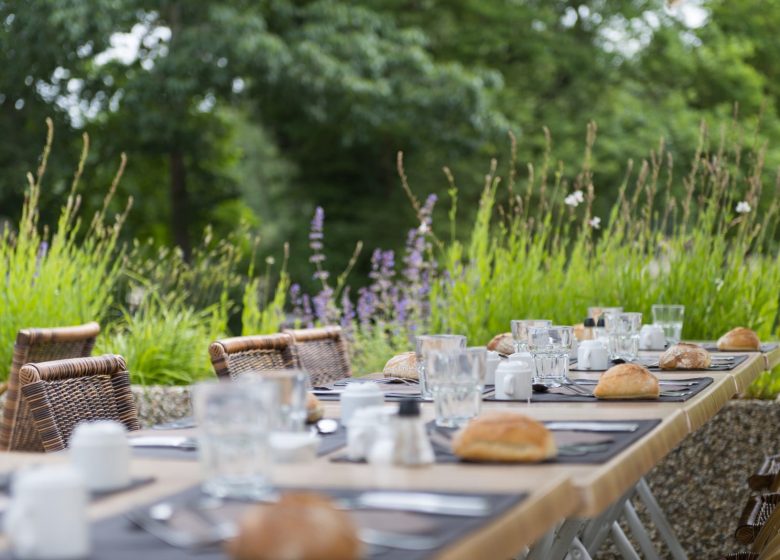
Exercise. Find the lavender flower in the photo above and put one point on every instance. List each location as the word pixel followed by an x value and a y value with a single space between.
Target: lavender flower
pixel 323 307
pixel 347 310
pixel 316 235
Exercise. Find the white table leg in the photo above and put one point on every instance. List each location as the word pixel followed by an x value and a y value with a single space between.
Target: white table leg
pixel 622 542
pixel 659 520
pixel 639 532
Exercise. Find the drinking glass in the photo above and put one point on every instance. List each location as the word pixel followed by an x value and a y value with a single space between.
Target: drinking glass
pixel 434 343
pixel 550 348
pixel 233 423
pixel 623 334
pixel 596 312
pixel 520 331
pixel 670 319
pixel 291 386
pixel 456 379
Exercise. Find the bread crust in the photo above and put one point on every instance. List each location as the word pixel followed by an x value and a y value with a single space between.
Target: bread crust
pixel 739 339
pixel 684 355
pixel 505 437
pixel 403 365
pixel 314 409
pixel 627 381
pixel 301 526
pixel 502 343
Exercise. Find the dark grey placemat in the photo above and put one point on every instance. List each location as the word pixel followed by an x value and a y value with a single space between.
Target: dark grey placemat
pixel 559 397
pixel 328 444
pixel 620 441
pixel 116 539
pixel 393 393
pixel 765 348
pixel 652 365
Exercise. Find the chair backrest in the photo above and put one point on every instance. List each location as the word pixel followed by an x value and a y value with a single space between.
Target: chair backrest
pixel 323 353
pixel 38 345
pixel 233 357
pixel 62 393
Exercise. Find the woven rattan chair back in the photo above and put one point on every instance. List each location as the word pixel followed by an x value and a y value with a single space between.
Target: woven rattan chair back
pixel 38 345
pixel 234 357
pixel 63 393
pixel 322 353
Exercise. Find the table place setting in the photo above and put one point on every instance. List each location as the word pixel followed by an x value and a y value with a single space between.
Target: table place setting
pixel 388 524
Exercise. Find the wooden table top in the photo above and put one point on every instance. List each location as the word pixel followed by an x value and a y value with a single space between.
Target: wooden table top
pixel 556 491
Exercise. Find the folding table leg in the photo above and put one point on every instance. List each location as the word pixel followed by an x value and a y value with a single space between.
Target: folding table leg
pixel 598 528
pixel 659 520
pixel 577 551
pixel 622 543
pixel 639 532
pixel 566 534
pixel 541 548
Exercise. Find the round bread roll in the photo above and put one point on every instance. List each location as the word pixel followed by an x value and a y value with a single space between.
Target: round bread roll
pixel 300 526
pixel 506 437
pixel 314 408
pixel 685 356
pixel 503 344
pixel 627 381
pixel 403 365
pixel 739 339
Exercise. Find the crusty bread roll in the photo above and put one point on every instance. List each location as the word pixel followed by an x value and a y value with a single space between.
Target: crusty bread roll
pixel 314 408
pixel 627 381
pixel 300 526
pixel 403 365
pixel 503 344
pixel 685 356
pixel 504 436
pixel 739 339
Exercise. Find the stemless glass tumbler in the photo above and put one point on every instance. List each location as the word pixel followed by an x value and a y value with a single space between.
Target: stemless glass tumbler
pixel 550 348
pixel 434 343
pixel 623 333
pixel 456 379
pixel 520 331
pixel 234 420
pixel 670 319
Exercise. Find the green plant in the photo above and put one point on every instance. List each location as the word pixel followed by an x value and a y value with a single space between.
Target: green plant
pixel 62 278
pixel 262 314
pixel 165 341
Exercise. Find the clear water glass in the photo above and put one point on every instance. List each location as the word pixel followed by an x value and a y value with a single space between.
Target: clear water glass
pixel 520 331
pixel 456 379
pixel 434 343
pixel 290 387
pixel 623 334
pixel 550 347
pixel 234 420
pixel 670 319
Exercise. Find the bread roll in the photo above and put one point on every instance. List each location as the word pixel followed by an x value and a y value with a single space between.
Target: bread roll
pixel 627 381
pixel 739 339
pixel 685 356
pixel 503 344
pixel 504 436
pixel 301 526
pixel 314 408
pixel 403 365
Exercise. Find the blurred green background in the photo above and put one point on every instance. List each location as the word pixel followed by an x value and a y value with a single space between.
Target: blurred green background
pixel 256 111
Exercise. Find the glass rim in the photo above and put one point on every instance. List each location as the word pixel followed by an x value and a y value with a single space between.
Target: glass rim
pixel 440 336
pixel 530 321
pixel 668 306
pixel 552 327
pixel 625 313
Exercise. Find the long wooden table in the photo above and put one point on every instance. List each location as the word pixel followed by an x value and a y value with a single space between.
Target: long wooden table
pixel 555 491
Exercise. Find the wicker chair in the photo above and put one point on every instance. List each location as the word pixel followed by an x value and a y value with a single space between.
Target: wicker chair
pixel 322 353
pixel 38 345
pixel 62 393
pixel 232 357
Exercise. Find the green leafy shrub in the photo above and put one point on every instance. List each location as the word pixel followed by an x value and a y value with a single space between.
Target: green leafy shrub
pixel 64 277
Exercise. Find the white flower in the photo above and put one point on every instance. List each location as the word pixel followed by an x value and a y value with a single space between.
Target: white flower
pixel 424 228
pixel 269 260
pixel 743 207
pixel 595 222
pixel 574 199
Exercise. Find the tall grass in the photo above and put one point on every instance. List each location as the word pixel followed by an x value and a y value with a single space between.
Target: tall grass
pixel 664 241
pixel 64 277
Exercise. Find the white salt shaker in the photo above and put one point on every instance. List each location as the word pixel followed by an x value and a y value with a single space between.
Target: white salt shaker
pixel 366 427
pixel 359 395
pixel 47 518
pixel 101 452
